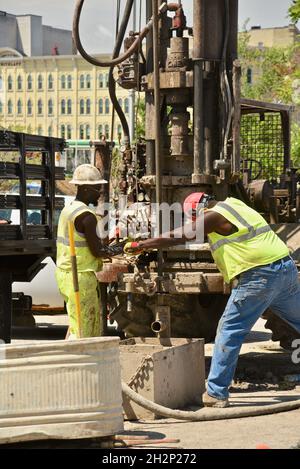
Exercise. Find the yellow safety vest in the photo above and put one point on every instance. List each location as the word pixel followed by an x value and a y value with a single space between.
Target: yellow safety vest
pixel 254 244
pixel 86 261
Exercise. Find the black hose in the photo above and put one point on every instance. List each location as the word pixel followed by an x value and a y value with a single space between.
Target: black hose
pixel 93 60
pixel 111 81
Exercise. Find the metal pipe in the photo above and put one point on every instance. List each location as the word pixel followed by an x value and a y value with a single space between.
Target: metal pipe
pixel 198 55
pixel 158 152
pixel 150 147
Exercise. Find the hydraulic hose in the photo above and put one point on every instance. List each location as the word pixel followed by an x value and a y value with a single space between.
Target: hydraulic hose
pixel 205 415
pixel 111 81
pixel 114 61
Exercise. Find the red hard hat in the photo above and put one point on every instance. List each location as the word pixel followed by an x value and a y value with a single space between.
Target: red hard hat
pixel 192 201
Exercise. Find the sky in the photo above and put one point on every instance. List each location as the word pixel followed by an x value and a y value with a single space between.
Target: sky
pixel 98 23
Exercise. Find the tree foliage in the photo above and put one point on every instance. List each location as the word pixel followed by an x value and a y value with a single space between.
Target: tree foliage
pixel 294 11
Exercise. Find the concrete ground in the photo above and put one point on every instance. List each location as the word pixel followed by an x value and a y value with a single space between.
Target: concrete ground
pixel 261 379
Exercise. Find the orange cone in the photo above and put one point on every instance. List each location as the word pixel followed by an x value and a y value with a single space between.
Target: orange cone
pixel 262 446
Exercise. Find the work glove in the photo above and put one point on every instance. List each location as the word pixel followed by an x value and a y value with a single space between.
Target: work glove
pixel 132 248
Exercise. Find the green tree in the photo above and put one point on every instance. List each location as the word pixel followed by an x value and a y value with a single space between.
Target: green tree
pixel 294 11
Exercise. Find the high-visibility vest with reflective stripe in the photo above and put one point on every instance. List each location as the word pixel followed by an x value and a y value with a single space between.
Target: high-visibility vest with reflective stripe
pixel 86 261
pixel 253 244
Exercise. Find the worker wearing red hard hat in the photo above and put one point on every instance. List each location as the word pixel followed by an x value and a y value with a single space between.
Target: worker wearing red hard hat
pixel 245 249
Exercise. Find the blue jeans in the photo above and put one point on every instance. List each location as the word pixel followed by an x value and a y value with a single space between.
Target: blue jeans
pixel 275 286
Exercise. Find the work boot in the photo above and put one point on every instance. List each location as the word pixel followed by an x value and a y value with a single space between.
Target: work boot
pixel 209 401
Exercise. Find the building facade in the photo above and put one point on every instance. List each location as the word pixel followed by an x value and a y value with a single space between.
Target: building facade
pixel 60 96
pixel 29 37
pixel 284 36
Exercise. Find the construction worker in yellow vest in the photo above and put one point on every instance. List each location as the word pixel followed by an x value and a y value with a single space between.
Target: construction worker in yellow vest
pixel 251 256
pixel 89 252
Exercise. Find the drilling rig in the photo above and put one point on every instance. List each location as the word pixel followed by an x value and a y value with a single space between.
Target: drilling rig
pixel 200 136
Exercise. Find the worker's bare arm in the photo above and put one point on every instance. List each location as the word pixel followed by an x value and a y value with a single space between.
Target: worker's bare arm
pixel 86 223
pixel 212 221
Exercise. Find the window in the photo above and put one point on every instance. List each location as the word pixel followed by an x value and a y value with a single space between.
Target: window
pixel 81 81
pixel 50 82
pixel 1 107
pixel 81 132
pixel 40 107
pixel 249 76
pixel 119 132
pixel 40 82
pixel 107 132
pixel 69 106
pixel 126 106
pixel 63 131
pixel 29 107
pixel 29 83
pixel 9 83
pixel 88 106
pixel 106 80
pixel 9 107
pixel 69 82
pixel 1 83
pixel 50 107
pixel 87 132
pixel 100 131
pixel 69 132
pixel 40 130
pixel 107 106
pixel 63 106
pixel 19 83
pixel 50 131
pixel 88 82
pixel 81 106
pixel 120 101
pixel 63 82
pixel 19 106
pixel 101 83
pixel 100 106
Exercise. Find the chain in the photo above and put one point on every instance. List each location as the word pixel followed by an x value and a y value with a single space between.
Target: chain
pixel 142 372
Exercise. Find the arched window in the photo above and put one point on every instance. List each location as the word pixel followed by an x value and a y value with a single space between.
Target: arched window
pixel 120 101
pixel 107 106
pixel 40 130
pixel 50 131
pixel 29 107
pixel 29 83
pixel 63 82
pixel 100 106
pixel 69 106
pixel 9 107
pixel 249 76
pixel 81 106
pixel 63 131
pixel 50 107
pixel 19 106
pixel 50 82
pixel 40 82
pixel 81 132
pixel 88 82
pixel 69 82
pixel 126 106
pixel 40 107
pixel 81 81
pixel 107 132
pixel 63 106
pixel 87 132
pixel 100 131
pixel 19 83
pixel 1 82
pixel 1 107
pixel 101 83
pixel 106 80
pixel 119 132
pixel 88 106
pixel 69 132
pixel 9 83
